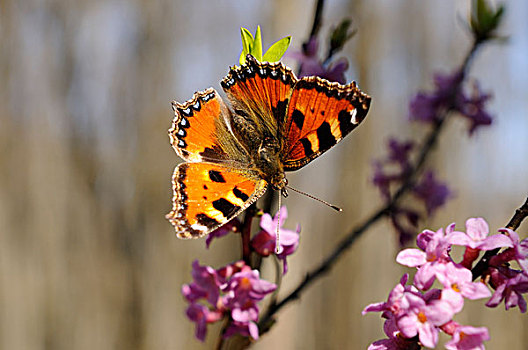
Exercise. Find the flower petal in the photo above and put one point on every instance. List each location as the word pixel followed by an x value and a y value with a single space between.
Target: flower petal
pixel 411 257
pixel 477 228
pixel 428 335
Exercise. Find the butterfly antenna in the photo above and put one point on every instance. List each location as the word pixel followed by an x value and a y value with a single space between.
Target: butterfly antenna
pixel 277 236
pixel 335 207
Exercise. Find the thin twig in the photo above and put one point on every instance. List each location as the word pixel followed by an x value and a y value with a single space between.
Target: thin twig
pixel 515 222
pixel 318 15
pixel 341 247
pixel 246 233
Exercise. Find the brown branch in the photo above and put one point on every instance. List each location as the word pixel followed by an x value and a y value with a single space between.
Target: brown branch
pixel 518 217
pixel 513 224
pixel 326 265
pixel 245 234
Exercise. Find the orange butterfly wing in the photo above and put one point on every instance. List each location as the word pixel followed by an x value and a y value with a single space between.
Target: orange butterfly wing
pixel 216 183
pixel 208 195
pixel 199 131
pixel 320 114
pixel 260 91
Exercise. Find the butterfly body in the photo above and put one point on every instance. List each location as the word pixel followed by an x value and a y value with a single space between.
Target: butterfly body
pixel 276 123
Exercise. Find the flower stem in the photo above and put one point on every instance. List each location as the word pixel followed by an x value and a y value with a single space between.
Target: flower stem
pixel 246 233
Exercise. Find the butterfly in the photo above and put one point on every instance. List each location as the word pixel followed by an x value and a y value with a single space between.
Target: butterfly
pixel 275 123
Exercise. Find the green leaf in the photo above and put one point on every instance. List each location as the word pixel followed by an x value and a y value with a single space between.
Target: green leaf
pixel 256 48
pixel 247 43
pixel 277 50
pixel 484 20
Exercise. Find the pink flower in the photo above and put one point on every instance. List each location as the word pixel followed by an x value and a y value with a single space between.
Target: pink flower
pixel 511 291
pixel 432 192
pixel 393 305
pixel 244 321
pixel 468 338
pixel 232 226
pixel 518 252
pixel 234 289
pixel 202 316
pixel 422 318
pixel 458 284
pixel 395 341
pixel 206 284
pixel 431 261
pixel 246 329
pixel 246 286
pixel 476 236
pixel 264 242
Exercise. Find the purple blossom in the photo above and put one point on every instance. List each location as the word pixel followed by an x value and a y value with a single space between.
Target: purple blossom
pixel 393 305
pixel 202 316
pixel 511 291
pixel 246 329
pixel 246 286
pixel 425 107
pixel 395 340
pixel 244 321
pixel 517 252
pixel 468 338
pixel 264 242
pixel 405 222
pixel 476 236
pixel 311 65
pixel 399 152
pixel 232 226
pixel 422 318
pixel 382 180
pixel 473 109
pixel 433 193
pixel 458 284
pixel 431 262
pixel 234 289
pixel 206 284
pixel 394 169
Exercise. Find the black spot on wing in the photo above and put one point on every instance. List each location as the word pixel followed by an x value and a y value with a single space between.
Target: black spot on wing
pixel 298 118
pixel 307 146
pixel 324 134
pixel 279 111
pixel 225 207
pixel 240 194
pixel 216 176
pixel 205 220
pixel 345 126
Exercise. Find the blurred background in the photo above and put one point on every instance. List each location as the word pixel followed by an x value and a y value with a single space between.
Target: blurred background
pixel 87 260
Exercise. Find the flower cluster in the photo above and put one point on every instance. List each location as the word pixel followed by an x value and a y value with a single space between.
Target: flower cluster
pixel 231 291
pixel 395 169
pixel 264 242
pixel 416 313
pixel 448 95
